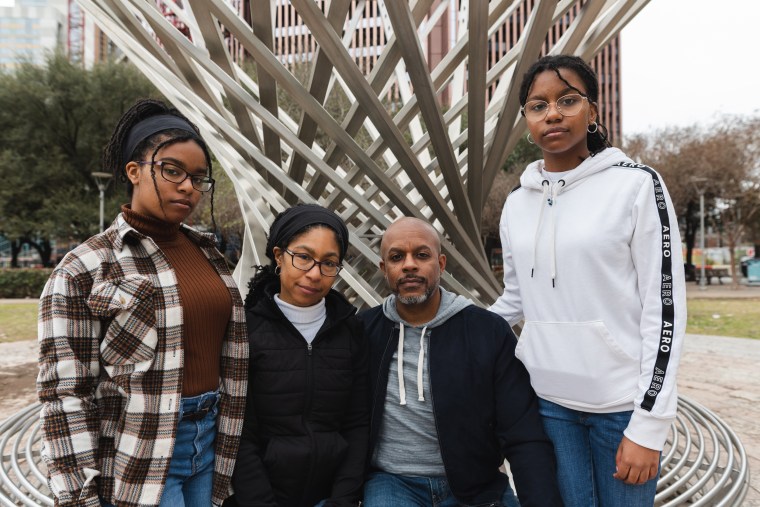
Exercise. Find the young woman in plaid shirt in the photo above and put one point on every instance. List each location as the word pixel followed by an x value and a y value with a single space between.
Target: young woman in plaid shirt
pixel 143 348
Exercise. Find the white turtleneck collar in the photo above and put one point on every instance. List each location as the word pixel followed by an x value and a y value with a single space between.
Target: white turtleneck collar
pixel 306 319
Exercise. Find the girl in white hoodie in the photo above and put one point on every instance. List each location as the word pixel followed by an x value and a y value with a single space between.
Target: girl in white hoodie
pixel 593 265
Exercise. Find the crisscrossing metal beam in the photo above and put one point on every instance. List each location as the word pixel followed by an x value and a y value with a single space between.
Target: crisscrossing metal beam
pixel 419 156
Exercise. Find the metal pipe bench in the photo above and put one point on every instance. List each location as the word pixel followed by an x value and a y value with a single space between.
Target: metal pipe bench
pixel 703 464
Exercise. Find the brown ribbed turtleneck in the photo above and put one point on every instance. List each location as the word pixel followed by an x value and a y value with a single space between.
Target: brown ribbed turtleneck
pixel 206 301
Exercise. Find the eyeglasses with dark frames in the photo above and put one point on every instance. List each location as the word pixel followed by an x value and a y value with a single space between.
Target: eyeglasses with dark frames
pixel 173 173
pixel 305 262
pixel 567 105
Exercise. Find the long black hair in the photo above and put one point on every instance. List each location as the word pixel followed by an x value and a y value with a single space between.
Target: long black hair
pixel 115 161
pixel 595 141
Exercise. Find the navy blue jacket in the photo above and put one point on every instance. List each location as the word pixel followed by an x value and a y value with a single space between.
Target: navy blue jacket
pixel 484 406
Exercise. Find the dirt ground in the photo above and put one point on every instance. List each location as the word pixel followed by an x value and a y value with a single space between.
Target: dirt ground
pixel 18 373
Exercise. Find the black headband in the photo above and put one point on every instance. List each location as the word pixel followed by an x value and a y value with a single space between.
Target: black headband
pixel 150 126
pixel 296 218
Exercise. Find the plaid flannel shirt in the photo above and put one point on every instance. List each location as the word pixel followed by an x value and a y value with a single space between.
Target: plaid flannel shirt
pixel 110 381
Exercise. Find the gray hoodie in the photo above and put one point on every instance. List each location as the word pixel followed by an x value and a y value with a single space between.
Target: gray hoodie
pixel 408 440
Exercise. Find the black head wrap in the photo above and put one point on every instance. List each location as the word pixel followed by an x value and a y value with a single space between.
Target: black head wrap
pixel 296 218
pixel 150 126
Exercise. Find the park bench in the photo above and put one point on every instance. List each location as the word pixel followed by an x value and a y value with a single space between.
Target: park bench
pixel 712 272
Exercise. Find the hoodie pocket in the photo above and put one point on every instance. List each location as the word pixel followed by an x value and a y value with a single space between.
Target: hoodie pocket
pixel 577 362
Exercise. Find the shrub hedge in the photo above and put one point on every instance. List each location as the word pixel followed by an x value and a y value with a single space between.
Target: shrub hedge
pixel 22 282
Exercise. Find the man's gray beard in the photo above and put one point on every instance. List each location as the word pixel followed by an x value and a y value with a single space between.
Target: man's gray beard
pixel 416 300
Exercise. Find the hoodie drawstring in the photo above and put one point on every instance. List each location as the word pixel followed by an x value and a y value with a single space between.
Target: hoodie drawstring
pixel 545 185
pixel 555 189
pixel 400 362
pixel 552 249
pixel 420 366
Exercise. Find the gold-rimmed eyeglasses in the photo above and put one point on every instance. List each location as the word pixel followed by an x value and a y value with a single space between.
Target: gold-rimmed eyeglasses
pixel 567 105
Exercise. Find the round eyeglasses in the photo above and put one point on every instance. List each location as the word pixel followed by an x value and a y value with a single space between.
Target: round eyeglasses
pixel 305 262
pixel 175 174
pixel 567 105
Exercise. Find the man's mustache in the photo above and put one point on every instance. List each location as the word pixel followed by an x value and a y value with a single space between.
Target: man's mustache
pixel 404 279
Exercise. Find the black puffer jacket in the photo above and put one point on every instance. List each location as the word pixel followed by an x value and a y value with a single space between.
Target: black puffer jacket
pixel 307 416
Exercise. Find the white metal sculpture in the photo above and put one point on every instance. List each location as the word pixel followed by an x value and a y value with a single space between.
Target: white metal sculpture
pixel 421 161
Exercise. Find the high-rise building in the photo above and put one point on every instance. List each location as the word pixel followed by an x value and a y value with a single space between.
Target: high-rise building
pixel 87 44
pixel 30 29
pixel 294 43
pixel 367 36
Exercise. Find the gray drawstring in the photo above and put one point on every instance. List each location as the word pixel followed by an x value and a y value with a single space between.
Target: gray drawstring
pixel 420 366
pixel 400 364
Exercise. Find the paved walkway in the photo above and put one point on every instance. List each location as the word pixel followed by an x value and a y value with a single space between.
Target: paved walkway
pixel 722 374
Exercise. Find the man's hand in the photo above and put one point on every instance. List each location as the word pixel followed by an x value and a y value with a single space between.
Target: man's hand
pixel 635 464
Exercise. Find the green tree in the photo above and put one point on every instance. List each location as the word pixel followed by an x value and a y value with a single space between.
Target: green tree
pixel 54 121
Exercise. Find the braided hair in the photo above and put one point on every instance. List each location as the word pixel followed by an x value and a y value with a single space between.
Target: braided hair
pixel 595 141
pixel 114 161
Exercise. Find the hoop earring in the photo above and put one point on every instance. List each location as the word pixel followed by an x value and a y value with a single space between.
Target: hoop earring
pixel 277 270
pixel 530 139
pixel 596 127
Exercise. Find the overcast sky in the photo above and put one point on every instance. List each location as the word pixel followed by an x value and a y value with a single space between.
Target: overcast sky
pixel 687 61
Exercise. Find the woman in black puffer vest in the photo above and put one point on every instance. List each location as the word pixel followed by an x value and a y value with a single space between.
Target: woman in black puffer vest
pixel 307 417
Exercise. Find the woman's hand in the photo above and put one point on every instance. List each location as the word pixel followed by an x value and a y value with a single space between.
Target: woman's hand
pixel 635 464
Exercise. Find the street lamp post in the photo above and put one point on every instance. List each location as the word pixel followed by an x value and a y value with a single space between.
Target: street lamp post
pixel 702 279
pixel 102 180
pixel 698 183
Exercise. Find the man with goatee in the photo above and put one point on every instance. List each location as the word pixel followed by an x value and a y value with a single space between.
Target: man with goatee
pixel 450 401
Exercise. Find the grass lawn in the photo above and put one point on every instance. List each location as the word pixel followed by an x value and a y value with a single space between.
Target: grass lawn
pixel 721 317
pixel 18 321
pixel 724 317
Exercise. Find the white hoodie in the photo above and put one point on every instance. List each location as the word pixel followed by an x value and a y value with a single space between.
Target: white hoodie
pixel 593 264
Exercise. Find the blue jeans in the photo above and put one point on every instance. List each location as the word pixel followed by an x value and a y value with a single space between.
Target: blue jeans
pixel 385 490
pixel 191 470
pixel 585 445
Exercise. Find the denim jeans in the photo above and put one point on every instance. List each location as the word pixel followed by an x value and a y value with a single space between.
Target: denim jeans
pixel 585 445
pixel 385 490
pixel 191 470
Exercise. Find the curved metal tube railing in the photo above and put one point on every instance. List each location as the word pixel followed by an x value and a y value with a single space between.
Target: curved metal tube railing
pixel 21 480
pixel 703 464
